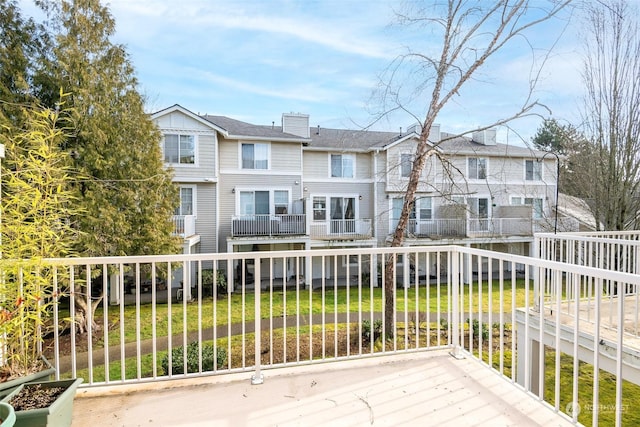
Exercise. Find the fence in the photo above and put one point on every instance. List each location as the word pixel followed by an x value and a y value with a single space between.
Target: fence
pixel 330 306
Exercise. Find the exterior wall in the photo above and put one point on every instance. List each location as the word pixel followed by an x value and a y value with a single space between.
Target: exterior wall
pixel 201 176
pixel 284 173
pixel 206 217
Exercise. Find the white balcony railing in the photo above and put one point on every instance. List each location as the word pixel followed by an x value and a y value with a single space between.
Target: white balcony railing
pixel 184 225
pixel 437 228
pixel 342 229
pixel 327 305
pixel 268 225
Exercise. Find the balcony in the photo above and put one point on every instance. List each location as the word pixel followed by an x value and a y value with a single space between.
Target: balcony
pixel 184 225
pixel 490 310
pixel 268 225
pixel 438 228
pixel 342 229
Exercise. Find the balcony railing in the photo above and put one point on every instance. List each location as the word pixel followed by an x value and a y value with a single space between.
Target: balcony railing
pixel 184 225
pixel 500 227
pixel 268 225
pixel 328 306
pixel 437 228
pixel 341 229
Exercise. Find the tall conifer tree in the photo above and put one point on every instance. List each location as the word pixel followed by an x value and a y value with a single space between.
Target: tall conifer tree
pixel 126 193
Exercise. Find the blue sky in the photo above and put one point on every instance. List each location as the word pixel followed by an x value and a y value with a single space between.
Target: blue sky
pixel 255 59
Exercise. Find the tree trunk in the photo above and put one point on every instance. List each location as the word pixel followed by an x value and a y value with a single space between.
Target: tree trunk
pixel 85 311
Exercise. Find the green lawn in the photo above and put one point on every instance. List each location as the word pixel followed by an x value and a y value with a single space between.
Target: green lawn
pixel 432 299
pixel 606 393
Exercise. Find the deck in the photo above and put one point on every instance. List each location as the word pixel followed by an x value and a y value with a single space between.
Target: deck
pixel 422 388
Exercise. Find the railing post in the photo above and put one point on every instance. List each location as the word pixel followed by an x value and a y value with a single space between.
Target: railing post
pixel 455 302
pixel 257 377
pixel 536 276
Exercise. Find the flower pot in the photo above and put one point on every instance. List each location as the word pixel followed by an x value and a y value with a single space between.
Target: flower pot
pixel 7 415
pixel 45 374
pixel 58 414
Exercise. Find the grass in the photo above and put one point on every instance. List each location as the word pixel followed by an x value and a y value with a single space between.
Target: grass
pixel 606 393
pixel 239 308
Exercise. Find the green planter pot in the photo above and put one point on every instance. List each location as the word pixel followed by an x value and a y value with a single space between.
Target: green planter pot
pixel 7 387
pixel 58 414
pixel 7 415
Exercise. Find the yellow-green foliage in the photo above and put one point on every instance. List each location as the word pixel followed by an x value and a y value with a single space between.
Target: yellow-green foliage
pixel 37 204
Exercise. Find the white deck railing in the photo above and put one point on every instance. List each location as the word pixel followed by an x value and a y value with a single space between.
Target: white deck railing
pixel 477 303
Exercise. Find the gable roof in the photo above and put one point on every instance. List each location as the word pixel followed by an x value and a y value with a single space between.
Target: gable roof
pixel 242 130
pixel 192 115
pixel 349 139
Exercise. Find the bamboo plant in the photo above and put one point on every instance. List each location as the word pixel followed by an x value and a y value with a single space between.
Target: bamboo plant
pixel 37 210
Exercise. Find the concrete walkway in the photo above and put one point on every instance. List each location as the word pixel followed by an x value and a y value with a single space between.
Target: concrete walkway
pixel 419 389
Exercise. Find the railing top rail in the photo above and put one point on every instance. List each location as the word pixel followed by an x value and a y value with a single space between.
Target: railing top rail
pixel 587 237
pixel 519 259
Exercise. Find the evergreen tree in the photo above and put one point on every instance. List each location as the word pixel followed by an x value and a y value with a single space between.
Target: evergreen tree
pixel 21 43
pixel 127 195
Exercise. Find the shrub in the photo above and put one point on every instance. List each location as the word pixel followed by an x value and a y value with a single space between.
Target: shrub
pixel 177 360
pixel 475 327
pixel 367 335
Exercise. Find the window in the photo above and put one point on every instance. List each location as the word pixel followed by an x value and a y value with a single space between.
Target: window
pixel 342 166
pixel 536 204
pixel 265 202
pixel 180 149
pixel 533 170
pixel 396 211
pixel 479 207
pixel 186 201
pixel 343 214
pixel 319 208
pixel 406 164
pixel 255 156
pixel 281 202
pixel 477 168
pixel 424 210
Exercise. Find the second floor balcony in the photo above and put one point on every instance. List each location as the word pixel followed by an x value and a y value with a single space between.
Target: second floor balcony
pixel 336 229
pixel 268 225
pixel 484 227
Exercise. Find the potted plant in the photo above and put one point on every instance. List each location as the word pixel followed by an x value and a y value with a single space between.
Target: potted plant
pixel 7 415
pixel 44 403
pixel 37 212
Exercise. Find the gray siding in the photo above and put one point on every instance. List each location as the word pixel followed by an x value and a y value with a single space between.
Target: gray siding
pixel 206 220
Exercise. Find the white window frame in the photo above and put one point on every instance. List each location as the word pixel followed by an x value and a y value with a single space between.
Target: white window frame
pixel 319 209
pixel 419 207
pixel 179 135
pixel 536 170
pixel 254 144
pixel 342 158
pixel 478 160
pixel 194 200
pixel 272 204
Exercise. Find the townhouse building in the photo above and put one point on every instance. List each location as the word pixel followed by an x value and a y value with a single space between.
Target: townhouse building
pixel 292 186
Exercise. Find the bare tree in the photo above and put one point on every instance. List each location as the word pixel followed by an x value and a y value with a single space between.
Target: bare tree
pixel 611 112
pixel 468 34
